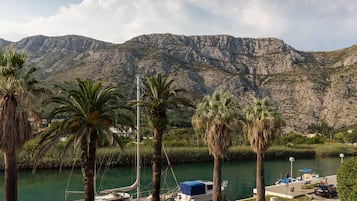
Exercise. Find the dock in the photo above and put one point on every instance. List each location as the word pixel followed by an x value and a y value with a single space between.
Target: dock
pixel 294 190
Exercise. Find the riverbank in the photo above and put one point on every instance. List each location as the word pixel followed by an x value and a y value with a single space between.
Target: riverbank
pixel 116 157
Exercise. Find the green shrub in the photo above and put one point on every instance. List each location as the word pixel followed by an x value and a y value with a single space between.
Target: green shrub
pixel 292 139
pixel 347 180
pixel 346 134
pixel 334 149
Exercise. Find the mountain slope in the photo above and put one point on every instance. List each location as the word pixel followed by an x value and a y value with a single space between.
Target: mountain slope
pixel 309 87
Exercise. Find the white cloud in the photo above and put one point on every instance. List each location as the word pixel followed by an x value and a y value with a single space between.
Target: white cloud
pixel 304 24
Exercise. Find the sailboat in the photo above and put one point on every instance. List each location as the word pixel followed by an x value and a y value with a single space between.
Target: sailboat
pixel 119 194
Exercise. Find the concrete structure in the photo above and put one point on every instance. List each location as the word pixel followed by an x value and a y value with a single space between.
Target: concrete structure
pixel 294 190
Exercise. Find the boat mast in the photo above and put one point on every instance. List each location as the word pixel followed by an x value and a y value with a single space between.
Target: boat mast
pixel 138 138
pixel 136 184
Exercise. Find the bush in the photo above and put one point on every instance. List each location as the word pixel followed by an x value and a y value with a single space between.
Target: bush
pixel 347 180
pixel 334 149
pixel 293 139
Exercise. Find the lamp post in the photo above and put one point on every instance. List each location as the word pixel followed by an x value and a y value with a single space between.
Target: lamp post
pixel 291 159
pixel 342 156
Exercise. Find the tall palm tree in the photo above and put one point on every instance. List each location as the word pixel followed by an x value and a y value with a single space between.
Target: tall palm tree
pixel 217 116
pixel 15 105
pixel 157 96
pixel 262 123
pixel 88 111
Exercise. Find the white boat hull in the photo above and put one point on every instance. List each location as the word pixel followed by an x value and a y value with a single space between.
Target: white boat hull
pixel 197 190
pixel 202 197
pixel 113 197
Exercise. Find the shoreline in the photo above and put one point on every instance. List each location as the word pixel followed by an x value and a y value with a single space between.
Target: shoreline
pixel 182 155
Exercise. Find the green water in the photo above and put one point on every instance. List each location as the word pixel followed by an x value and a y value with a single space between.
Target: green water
pixel 49 185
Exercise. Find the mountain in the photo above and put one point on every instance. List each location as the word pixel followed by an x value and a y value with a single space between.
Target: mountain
pixel 4 42
pixel 309 87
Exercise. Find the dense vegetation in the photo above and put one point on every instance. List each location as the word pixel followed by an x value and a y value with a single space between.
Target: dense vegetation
pixel 186 146
pixel 115 156
pixel 347 180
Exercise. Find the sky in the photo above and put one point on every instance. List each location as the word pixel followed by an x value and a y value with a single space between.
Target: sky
pixel 307 25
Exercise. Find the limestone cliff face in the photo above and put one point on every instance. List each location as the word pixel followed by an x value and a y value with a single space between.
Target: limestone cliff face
pixel 261 56
pixel 309 87
pixel 57 53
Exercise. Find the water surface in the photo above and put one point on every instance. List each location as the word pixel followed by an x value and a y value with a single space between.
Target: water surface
pixel 49 185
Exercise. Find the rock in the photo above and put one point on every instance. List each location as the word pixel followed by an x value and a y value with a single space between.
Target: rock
pixel 308 87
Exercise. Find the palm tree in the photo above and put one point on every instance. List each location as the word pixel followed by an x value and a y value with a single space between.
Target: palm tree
pixel 217 116
pixel 15 105
pixel 262 123
pixel 88 111
pixel 158 95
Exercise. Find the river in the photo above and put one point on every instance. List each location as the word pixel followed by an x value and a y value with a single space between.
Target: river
pixel 49 185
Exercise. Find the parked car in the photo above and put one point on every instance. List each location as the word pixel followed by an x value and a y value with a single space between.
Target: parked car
pixel 325 190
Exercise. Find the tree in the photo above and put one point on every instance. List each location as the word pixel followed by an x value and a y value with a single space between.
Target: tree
pixel 15 107
pixel 347 180
pixel 88 111
pixel 158 96
pixel 217 116
pixel 262 124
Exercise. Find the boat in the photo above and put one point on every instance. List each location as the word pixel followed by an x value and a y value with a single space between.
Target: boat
pixel 307 175
pixel 285 181
pixel 119 194
pixel 197 190
pixel 114 196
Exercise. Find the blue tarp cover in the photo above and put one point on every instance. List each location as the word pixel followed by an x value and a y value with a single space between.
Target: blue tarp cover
pixel 283 180
pixel 192 187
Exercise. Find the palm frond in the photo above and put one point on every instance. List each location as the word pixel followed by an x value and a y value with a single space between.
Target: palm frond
pixel 87 110
pixel 262 123
pixel 216 116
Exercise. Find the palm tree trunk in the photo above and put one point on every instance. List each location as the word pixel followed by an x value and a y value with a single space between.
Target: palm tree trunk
pixel 156 164
pixel 260 177
pixel 10 193
pixel 217 194
pixel 88 168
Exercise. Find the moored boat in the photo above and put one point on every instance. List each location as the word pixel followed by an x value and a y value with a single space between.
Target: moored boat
pixel 114 196
pixel 285 180
pixel 197 190
pixel 307 175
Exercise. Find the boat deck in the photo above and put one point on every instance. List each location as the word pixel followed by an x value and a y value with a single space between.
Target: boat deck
pixel 285 191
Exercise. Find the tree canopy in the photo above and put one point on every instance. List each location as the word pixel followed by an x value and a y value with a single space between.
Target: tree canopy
pixel 347 180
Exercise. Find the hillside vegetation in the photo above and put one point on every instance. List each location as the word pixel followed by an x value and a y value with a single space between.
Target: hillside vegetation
pixel 310 88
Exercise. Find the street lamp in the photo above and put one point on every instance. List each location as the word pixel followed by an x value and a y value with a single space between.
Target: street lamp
pixel 342 156
pixel 291 159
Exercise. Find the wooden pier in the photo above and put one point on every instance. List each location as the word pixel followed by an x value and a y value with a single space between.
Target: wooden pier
pixel 294 190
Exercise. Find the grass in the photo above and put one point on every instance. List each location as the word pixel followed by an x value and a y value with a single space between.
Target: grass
pixel 118 157
pixel 330 149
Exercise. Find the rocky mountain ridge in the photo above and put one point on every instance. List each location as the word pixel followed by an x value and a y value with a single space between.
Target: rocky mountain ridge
pixel 309 87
